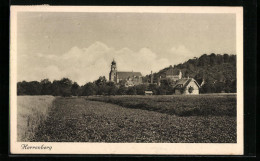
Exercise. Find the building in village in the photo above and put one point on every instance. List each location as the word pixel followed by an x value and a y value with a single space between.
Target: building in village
pixel 172 75
pixel 148 93
pixel 128 78
pixel 186 86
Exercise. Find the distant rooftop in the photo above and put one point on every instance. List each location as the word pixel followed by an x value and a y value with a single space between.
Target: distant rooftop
pixel 125 75
pixel 184 82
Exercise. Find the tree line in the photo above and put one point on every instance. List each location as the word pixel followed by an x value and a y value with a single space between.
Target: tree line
pixel 66 87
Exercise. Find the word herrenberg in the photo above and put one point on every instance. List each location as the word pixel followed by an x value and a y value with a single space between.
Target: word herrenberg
pixel 42 147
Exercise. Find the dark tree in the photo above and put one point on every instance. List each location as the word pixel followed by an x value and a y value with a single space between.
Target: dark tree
pixel 122 90
pixel 75 89
pixel 122 82
pixel 226 58
pixel 204 60
pixel 56 88
pixel 101 81
pixel 102 88
pixel 131 91
pixel 153 88
pixel 161 91
pixel 21 88
pixel 29 88
pixel 65 86
pixel 140 89
pixel 212 59
pixel 112 89
pixel 88 89
pixel 62 87
pixel 46 87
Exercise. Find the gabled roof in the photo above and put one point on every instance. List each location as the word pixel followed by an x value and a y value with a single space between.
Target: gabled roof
pixel 125 75
pixel 184 82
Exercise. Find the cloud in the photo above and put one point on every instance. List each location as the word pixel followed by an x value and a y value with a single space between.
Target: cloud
pixel 87 64
pixel 181 49
pixel 180 54
pixel 38 73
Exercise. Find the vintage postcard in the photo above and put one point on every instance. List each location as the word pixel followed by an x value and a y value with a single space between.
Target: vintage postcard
pixel 126 80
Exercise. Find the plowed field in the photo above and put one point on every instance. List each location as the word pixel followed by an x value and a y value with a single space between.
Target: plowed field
pixel 81 120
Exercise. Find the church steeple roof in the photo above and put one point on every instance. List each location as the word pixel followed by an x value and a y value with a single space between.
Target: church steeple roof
pixel 113 62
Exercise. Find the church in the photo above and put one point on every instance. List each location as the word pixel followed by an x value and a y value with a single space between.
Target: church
pixel 127 78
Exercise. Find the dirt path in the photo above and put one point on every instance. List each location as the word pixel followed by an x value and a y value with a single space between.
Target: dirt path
pixel 79 120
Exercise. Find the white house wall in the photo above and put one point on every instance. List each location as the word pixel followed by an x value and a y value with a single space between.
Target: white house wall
pixel 186 91
pixel 195 87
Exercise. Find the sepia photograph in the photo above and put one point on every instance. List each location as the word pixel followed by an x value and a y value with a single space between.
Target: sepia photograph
pixel 126 80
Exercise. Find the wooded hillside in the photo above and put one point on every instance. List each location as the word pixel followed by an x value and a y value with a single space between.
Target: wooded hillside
pixel 218 72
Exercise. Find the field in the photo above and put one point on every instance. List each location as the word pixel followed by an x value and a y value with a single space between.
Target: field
pixel 31 112
pixel 147 119
pixel 181 105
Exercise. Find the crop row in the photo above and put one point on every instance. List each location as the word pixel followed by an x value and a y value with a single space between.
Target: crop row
pixel 197 105
pixel 80 120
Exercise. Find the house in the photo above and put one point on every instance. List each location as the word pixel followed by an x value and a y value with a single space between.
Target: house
pixel 171 74
pixel 148 93
pixel 186 86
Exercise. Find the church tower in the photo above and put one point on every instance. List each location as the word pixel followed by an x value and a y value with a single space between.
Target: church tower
pixel 113 72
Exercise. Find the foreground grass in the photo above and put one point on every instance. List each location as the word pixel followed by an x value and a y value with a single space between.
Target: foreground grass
pixel 181 105
pixel 81 120
pixel 31 111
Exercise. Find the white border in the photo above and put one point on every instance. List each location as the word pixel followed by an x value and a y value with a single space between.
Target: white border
pixel 128 148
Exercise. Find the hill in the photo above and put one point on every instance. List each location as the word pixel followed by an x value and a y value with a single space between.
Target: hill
pixel 217 71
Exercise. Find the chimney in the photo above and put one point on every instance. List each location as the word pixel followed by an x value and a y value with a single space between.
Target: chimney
pixel 159 81
pixel 180 75
pixel 203 82
pixel 151 77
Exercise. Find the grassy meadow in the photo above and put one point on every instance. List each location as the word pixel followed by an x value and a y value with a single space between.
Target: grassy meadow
pixel 181 105
pixel 31 112
pixel 141 119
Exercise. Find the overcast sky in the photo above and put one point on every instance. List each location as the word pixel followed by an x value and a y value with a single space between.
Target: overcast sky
pixel 81 46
